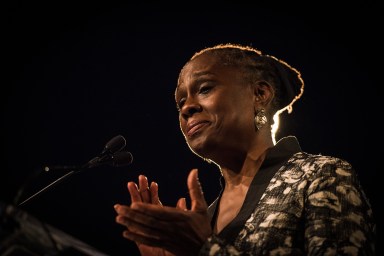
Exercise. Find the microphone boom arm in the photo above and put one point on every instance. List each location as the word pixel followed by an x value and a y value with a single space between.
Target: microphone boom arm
pixel 47 187
pixel 112 155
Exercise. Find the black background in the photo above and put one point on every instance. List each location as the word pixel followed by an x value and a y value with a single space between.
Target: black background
pixel 77 74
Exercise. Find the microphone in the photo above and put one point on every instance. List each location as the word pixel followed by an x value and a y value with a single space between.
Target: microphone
pixel 112 154
pixel 122 158
pixel 116 144
pixel 117 159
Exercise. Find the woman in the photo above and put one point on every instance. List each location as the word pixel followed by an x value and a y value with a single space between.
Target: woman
pixel 276 199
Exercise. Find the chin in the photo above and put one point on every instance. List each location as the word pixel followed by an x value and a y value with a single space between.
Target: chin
pixel 202 148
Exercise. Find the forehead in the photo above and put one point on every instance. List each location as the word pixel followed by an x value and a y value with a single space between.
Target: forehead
pixel 201 64
pixel 204 65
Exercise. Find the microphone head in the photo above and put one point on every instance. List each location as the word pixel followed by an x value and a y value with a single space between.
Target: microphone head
pixel 116 144
pixel 122 158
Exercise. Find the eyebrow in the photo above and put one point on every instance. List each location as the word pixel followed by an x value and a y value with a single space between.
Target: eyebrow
pixel 202 73
pixel 197 76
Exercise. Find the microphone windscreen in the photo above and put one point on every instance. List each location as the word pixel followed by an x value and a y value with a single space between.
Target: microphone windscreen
pixel 121 158
pixel 116 144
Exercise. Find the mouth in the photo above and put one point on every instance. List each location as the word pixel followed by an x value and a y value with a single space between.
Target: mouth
pixel 195 127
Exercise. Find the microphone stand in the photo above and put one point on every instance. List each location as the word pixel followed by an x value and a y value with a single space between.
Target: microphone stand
pixel 112 154
pixel 73 169
pixel 117 159
pixel 47 187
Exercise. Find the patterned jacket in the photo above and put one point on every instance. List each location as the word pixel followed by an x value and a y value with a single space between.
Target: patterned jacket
pixel 298 204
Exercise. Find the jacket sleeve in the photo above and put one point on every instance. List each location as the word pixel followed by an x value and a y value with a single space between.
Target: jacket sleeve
pixel 338 215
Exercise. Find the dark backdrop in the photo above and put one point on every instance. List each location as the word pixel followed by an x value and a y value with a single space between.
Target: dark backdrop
pixel 77 74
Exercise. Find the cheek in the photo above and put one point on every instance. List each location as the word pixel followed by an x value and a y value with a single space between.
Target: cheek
pixel 239 119
pixel 182 124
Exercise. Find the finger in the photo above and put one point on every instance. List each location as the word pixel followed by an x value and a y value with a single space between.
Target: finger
pixel 119 208
pixel 165 244
pixel 144 189
pixel 154 189
pixel 198 202
pixel 116 206
pixel 140 229
pixel 181 204
pixel 134 192
pixel 145 223
pixel 144 229
pixel 160 242
pixel 159 212
pixel 142 239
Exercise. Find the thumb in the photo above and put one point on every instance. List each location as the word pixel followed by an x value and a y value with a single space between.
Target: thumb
pixel 198 203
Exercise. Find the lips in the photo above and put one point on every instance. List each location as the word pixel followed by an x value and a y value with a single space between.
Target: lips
pixel 194 126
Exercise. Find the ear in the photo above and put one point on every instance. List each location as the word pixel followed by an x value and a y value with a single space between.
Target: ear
pixel 263 93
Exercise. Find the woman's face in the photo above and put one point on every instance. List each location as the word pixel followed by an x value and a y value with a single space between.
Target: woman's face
pixel 216 108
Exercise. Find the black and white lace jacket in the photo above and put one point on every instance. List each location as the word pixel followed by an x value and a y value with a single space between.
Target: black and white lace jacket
pixel 299 204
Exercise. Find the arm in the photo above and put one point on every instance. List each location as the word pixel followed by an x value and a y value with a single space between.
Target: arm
pixel 338 214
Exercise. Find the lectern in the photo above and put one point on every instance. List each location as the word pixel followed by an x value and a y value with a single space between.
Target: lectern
pixel 24 235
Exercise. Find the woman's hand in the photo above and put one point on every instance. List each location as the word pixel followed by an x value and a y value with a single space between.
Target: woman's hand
pixel 174 229
pixel 143 193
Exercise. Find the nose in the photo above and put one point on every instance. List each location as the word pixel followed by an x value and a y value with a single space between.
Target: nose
pixel 189 108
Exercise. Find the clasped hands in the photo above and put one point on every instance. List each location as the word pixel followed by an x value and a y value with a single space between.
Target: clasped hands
pixel 163 230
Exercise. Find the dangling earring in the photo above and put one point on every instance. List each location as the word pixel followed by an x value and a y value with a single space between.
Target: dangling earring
pixel 260 119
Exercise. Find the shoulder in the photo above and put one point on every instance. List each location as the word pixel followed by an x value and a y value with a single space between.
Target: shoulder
pixel 314 164
pixel 319 170
pixel 327 173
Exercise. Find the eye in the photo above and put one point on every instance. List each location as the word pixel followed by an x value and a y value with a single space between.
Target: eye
pixel 180 104
pixel 205 89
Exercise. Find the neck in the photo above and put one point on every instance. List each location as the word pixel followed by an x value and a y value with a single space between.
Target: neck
pixel 244 174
